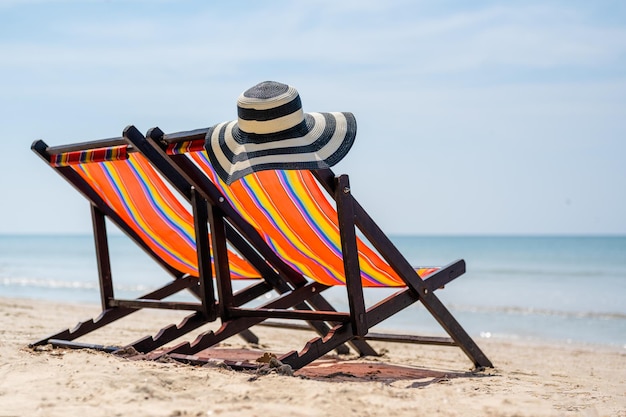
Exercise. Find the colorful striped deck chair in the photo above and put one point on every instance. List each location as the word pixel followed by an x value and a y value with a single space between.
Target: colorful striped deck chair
pixel 304 222
pixel 122 186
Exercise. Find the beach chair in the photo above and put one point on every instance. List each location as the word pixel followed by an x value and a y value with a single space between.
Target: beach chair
pixel 304 223
pixel 123 187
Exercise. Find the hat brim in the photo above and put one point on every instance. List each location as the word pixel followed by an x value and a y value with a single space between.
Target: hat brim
pixel 321 142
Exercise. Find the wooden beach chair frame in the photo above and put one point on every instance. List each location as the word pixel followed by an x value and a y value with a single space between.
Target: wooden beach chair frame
pixel 204 311
pixel 353 326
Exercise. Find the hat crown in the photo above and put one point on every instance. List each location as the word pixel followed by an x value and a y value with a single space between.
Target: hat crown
pixel 266 90
pixel 269 107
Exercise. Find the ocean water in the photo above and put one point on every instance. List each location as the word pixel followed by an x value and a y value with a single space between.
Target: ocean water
pixel 544 289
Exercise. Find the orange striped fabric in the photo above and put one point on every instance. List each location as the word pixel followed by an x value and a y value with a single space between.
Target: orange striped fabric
pixel 296 218
pixel 113 153
pixel 184 147
pixel 134 190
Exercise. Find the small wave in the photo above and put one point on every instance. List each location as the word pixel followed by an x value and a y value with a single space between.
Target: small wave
pixel 47 283
pixel 527 311
pixel 67 285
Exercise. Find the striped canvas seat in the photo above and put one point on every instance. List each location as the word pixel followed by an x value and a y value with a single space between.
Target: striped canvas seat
pixel 133 189
pixel 294 216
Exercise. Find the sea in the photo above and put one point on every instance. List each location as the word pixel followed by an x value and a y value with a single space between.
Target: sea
pixel 544 289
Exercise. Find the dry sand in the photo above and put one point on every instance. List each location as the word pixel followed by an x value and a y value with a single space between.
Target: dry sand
pixel 408 380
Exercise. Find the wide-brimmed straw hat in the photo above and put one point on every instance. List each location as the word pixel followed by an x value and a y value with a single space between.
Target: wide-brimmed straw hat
pixel 272 132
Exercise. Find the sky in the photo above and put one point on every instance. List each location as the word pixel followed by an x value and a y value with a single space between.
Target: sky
pixel 474 118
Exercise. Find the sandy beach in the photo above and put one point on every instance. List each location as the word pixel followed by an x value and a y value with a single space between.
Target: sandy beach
pixel 407 380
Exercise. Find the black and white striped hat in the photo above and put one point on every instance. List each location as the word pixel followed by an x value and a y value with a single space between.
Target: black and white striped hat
pixel 272 132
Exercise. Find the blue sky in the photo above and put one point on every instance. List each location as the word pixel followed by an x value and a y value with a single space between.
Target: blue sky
pixel 473 117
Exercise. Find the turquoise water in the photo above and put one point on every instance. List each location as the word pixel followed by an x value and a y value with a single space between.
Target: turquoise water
pixel 556 289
